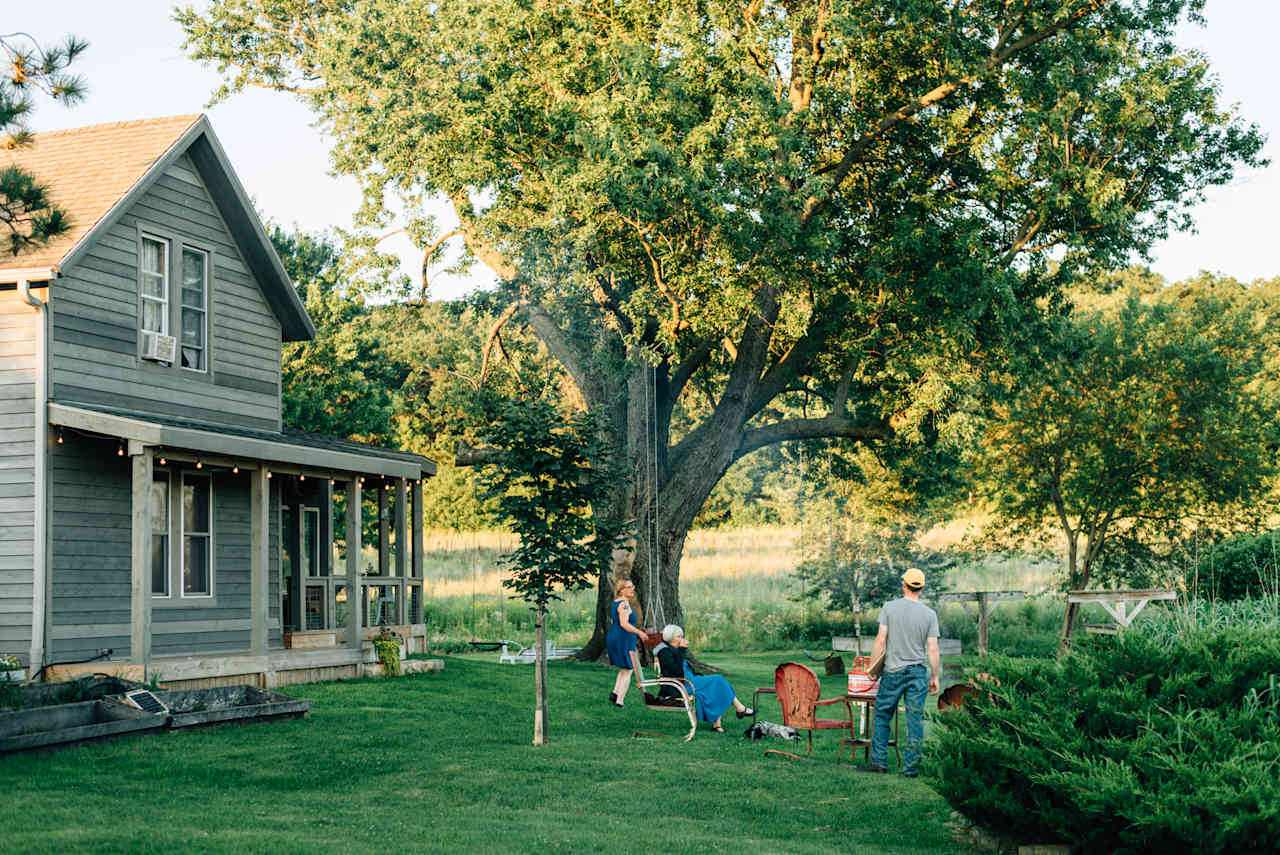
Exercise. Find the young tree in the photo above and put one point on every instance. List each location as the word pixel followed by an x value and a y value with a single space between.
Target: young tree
pixel 1134 422
pixel 548 473
pixel 26 213
pixel 849 206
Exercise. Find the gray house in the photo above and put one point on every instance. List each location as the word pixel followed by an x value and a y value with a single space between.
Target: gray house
pixel 152 504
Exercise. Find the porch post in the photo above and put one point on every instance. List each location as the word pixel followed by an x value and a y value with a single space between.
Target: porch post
pixel 355 599
pixel 140 557
pixel 418 549
pixel 259 537
pixel 402 547
pixel 326 529
pixel 384 551
pixel 297 590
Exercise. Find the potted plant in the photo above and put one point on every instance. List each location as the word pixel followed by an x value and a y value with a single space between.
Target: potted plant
pixel 11 669
pixel 388 646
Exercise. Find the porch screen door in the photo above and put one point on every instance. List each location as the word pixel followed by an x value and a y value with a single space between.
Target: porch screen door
pixel 315 604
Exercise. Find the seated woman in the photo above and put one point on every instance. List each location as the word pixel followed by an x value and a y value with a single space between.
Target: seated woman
pixel 713 692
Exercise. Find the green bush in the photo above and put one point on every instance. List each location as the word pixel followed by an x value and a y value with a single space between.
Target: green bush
pixel 1240 567
pixel 1164 739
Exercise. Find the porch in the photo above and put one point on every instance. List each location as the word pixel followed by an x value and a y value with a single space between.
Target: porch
pixel 316 513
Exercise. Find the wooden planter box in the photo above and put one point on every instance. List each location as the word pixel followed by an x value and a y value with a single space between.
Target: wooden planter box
pixel 311 639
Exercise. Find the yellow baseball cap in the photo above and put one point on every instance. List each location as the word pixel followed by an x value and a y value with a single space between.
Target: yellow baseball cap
pixel 913 579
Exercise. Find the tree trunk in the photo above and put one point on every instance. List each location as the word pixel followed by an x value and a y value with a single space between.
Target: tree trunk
pixel 1074 583
pixel 540 679
pixel 661 503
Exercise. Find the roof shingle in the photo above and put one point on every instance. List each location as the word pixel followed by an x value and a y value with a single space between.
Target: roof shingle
pixel 87 171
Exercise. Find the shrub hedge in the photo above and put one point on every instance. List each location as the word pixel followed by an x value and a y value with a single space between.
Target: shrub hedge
pixel 1240 567
pixel 1165 739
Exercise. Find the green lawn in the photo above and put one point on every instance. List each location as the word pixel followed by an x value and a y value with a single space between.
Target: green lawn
pixel 443 763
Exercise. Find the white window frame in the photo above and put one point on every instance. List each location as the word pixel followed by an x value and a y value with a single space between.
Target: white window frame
pixel 175 245
pixel 165 280
pixel 203 309
pixel 158 476
pixel 183 534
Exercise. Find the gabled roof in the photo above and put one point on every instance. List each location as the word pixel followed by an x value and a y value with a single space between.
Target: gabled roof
pixel 95 173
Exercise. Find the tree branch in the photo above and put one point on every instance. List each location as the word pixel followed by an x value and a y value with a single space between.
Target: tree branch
pixel 494 259
pixel 792 429
pixel 558 343
pixel 465 455
pixel 493 335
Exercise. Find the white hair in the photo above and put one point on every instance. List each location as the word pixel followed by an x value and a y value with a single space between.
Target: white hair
pixel 670 631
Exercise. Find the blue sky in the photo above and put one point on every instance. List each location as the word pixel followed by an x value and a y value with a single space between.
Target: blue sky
pixel 135 68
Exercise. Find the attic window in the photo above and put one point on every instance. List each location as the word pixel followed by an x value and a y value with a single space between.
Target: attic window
pixel 195 292
pixel 175 275
pixel 155 285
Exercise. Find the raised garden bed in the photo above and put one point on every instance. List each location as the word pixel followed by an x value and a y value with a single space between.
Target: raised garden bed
pixel 39 727
pixel 191 707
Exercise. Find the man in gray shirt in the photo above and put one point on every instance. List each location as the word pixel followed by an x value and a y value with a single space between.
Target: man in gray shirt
pixel 908 634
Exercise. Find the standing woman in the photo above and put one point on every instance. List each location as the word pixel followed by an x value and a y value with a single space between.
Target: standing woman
pixel 621 638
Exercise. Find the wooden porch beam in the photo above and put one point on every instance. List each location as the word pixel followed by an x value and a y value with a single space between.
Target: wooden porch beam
pixel 259 559
pixel 384 534
pixel 355 600
pixel 418 550
pixel 140 560
pixel 402 547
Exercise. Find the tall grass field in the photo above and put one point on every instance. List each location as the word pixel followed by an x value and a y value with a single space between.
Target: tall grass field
pixel 738 590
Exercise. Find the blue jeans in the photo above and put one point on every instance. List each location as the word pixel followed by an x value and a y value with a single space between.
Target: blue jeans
pixel 913 683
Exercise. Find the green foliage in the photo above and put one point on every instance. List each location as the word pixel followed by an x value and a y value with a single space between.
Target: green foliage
pixel 387 645
pixel 1242 566
pixel 547 475
pixel 806 223
pixel 1131 422
pixel 26 212
pixel 1164 739
pixel 859 536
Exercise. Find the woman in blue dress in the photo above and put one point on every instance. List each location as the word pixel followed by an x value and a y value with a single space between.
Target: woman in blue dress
pixel 620 641
pixel 712 691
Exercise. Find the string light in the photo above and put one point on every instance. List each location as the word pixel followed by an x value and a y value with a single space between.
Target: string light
pixel 120 449
pixel 199 465
pixel 268 473
pixel 235 470
pixel 59 437
pixel 163 461
pixel 301 477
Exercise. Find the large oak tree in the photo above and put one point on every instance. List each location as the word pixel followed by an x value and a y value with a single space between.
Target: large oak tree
pixel 837 208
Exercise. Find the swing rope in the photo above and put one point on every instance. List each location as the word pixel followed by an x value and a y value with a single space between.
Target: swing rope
pixel 651 497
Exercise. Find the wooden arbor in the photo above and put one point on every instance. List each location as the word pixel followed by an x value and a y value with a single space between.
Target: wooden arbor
pixel 987 602
pixel 1116 603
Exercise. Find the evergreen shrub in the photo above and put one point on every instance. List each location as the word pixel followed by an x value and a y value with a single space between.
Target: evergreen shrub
pixel 1240 567
pixel 1164 739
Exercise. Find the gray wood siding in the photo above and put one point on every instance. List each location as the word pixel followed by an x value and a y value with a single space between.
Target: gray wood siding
pixel 90 517
pixel 95 314
pixel 171 624
pixel 17 470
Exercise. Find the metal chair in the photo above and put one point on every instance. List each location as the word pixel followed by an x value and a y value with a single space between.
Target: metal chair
pixel 657 682
pixel 799 693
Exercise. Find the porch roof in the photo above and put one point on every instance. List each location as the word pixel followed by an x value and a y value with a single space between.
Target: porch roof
pixel 290 447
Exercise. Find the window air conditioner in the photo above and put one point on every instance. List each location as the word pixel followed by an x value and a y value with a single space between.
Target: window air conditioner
pixel 157 347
